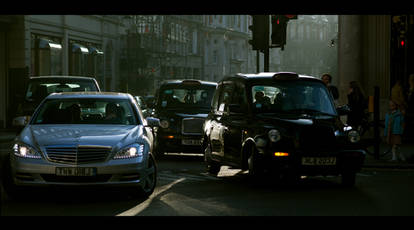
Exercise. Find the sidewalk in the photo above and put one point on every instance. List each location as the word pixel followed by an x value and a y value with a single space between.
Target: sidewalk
pixel 370 162
pixel 407 148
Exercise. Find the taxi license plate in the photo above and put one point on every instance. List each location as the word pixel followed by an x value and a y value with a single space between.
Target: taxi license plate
pixel 318 160
pixel 73 171
pixel 190 142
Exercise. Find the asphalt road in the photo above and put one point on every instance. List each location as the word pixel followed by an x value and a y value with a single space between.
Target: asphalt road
pixel 185 189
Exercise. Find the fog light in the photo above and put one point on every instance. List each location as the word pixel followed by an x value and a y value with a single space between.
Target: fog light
pixel 281 154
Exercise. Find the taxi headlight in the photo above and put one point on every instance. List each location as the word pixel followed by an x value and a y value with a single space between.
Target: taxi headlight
pixel 131 151
pixel 164 124
pixel 26 151
pixel 274 135
pixel 353 136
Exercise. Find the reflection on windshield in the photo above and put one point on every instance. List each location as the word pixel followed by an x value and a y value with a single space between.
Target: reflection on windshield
pixel 177 98
pixel 292 97
pixel 86 111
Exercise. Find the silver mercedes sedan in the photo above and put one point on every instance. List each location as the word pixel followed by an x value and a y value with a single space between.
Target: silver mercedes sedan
pixel 86 138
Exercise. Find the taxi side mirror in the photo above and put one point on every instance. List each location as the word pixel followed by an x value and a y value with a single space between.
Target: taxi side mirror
pixel 343 110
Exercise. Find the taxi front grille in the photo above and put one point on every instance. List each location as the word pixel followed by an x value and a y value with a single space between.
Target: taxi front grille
pixel 192 126
pixel 317 138
pixel 77 154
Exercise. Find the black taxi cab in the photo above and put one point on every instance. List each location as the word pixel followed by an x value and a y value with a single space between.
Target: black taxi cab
pixel 280 123
pixel 182 107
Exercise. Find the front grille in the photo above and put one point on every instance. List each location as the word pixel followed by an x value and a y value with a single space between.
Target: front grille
pixel 77 154
pixel 192 126
pixel 317 138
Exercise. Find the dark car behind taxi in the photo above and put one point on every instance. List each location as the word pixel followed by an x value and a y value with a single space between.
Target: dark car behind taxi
pixel 280 124
pixel 182 106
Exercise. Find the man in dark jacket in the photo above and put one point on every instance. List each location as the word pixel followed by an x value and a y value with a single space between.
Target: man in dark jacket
pixel 327 79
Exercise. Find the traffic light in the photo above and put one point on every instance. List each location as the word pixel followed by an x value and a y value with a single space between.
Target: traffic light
pixel 279 24
pixel 260 32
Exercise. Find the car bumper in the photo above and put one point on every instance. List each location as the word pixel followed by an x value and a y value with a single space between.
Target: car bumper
pixel 179 143
pixel 345 161
pixel 40 172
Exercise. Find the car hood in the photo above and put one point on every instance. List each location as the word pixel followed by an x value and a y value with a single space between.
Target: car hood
pixel 290 121
pixel 107 135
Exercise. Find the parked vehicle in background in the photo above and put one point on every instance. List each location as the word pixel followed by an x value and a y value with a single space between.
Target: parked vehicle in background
pixel 182 106
pixel 282 124
pixel 84 138
pixel 40 87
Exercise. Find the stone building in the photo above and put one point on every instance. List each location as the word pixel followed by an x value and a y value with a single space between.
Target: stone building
pixel 34 45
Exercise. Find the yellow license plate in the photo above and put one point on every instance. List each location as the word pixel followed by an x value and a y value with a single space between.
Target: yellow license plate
pixel 318 160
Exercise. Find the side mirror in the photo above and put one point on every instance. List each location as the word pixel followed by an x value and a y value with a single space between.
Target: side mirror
pixel 153 122
pixel 21 121
pixel 343 110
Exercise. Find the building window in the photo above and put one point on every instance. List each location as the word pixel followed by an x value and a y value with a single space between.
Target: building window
pixel 46 57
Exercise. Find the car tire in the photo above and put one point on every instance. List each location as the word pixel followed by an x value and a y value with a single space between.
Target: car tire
pixel 150 179
pixel 212 166
pixel 256 171
pixel 348 179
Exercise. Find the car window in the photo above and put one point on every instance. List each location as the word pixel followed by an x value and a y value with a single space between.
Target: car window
pixel 37 90
pixel 86 111
pixel 225 97
pixel 291 96
pixel 186 97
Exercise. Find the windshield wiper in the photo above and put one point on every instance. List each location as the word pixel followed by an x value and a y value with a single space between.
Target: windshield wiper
pixel 313 111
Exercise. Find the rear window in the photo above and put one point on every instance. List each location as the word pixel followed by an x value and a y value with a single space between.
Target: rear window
pixel 38 89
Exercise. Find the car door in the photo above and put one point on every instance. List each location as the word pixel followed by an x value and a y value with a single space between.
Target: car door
pixel 217 126
pixel 234 123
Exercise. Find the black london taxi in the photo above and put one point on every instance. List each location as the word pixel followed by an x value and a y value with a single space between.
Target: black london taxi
pixel 182 107
pixel 280 124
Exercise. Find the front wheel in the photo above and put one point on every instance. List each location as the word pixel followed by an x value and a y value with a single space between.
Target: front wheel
pixel 212 166
pixel 149 179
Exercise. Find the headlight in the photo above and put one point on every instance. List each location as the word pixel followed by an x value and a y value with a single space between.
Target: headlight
pixel 164 124
pixel 353 136
pixel 274 135
pixel 131 151
pixel 22 150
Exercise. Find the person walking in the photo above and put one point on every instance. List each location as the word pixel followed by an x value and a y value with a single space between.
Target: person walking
pixel 397 95
pixel 357 104
pixel 327 79
pixel 394 127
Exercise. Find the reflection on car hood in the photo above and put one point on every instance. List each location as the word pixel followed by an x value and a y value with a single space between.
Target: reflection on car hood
pixel 107 135
pixel 297 120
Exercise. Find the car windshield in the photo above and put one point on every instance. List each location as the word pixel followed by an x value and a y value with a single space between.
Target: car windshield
pixel 292 97
pixel 38 89
pixel 86 111
pixel 186 97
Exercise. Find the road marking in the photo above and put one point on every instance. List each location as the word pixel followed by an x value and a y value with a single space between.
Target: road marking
pixel 139 208
pixel 168 175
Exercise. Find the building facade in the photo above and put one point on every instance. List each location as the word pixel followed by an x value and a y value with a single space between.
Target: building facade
pixel 35 45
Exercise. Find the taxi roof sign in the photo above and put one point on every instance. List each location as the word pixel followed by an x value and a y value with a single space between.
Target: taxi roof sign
pixel 286 76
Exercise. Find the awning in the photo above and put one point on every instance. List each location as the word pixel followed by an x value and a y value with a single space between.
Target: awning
pixel 77 48
pixel 95 51
pixel 47 44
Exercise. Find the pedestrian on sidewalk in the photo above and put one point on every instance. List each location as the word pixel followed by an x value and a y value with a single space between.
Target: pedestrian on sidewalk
pixel 327 79
pixel 357 104
pixel 394 127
